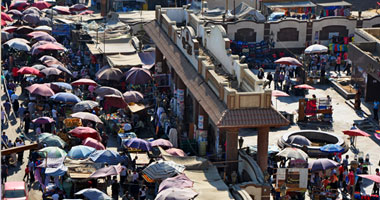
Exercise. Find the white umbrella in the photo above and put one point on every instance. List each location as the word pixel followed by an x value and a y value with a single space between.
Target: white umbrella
pixel 43 28
pixel 87 116
pixel 295 153
pixel 316 48
pixel 93 194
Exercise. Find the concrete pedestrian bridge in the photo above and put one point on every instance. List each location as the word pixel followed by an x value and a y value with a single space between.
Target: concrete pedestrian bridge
pixel 317 138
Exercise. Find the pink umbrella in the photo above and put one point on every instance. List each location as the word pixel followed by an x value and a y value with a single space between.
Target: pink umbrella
pixel 91 142
pixel 18 5
pixel 133 96
pixel 112 170
pixel 288 61
pixel 6 17
pixel 87 116
pixel 85 132
pixel 305 86
pixel 62 10
pixel 176 193
pixel 278 93
pixel 40 89
pixel 29 70
pixel 48 38
pixel 179 181
pixel 43 120
pixel 374 178
pixel 176 152
pixel 87 12
pixel 37 33
pixel 84 81
pixel 41 5
pixel 78 7
pixel 161 142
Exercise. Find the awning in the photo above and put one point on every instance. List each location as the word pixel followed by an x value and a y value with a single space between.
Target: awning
pixel 119 60
pixel 337 3
pixel 122 46
pixel 289 4
pixel 93 49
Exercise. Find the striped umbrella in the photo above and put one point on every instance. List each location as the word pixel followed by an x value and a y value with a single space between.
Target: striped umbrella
pixel 163 169
pixel 106 156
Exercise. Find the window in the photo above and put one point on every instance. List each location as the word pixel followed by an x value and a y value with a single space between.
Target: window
pixel 287 35
pixel 245 35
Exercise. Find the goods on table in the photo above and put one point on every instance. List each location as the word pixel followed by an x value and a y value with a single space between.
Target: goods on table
pixel 74 122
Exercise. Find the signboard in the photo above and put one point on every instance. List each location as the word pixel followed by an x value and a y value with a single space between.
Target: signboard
pixel 200 121
pixel 61 29
pixel 293 177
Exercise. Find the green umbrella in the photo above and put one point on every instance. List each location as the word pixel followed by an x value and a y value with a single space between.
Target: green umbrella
pixel 42 136
pixel 54 141
pixel 53 152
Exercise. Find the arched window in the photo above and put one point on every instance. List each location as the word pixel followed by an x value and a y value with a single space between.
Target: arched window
pixel 245 35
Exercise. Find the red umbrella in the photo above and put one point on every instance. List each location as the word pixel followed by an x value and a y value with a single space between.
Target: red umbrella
pixel 40 89
pixel 288 61
pixel 3 23
pixel 41 5
pixel 3 7
pixel 356 132
pixel 91 142
pixel 19 5
pixel 305 86
pixel 278 93
pixel 87 12
pixel 374 178
pixel 84 81
pixel 176 152
pixel 85 132
pixel 10 29
pixel 62 10
pixel 29 70
pixel 78 7
pixel 6 17
pixel 37 33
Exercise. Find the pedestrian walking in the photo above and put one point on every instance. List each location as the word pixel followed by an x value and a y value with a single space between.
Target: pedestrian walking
pixel 260 75
pixel 376 110
pixel 27 123
pixel 27 172
pixel 4 140
pixel 115 188
pixel 337 65
pixel 4 172
pixel 269 78
pixel 375 189
pixel 16 106
pixel 20 155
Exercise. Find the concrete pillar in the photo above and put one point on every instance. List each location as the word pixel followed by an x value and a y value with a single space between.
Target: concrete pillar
pixel 262 143
pixel 232 150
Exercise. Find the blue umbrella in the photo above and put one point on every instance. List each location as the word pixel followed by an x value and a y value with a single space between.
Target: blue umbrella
pixel 138 143
pixel 106 156
pixel 93 194
pixel 322 164
pixel 63 85
pixel 332 148
pixel 65 97
pixel 80 152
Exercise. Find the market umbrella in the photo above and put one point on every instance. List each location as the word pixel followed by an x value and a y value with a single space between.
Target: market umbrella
pixel 9 29
pixel 86 12
pixel 24 30
pixel 3 22
pixel 41 5
pixel 163 169
pixel 85 132
pixel 31 18
pixel 62 85
pixel 278 93
pixel 18 45
pixel 45 21
pixel 43 28
pixel 14 12
pixel 161 142
pixel 138 76
pixel 176 194
pixel 56 171
pixel 65 97
pixel 31 10
pixel 39 67
pixel 316 48
pixel 29 70
pixel 271 149
pixel 356 132
pixel 295 153
pixel 48 46
pixel 112 170
pixel 110 74
pixel 65 10
pixel 78 7
pixel 375 178
pixel 101 70
pixel 85 105
pixel 179 181
pixel 115 101
pixel 176 152
pixel 84 81
pixel 6 17
pixel 53 141
pixel 331 148
pixel 93 194
pixel 43 136
pixel 106 156
pixel 51 71
pixel 5 36
pixel 37 33
pixel 105 90
pixel 50 11
pixel 322 164
pixel 80 152
pixel 43 120
pixel 133 96
pixel 87 116
pixel 91 142
pixel 305 86
pixel 288 61
pixel 62 68
pixel 46 58
pixel 40 89
pixel 18 5
pixel 22 40
pixel 3 8
pixel 53 152
pixel 138 143
pixel 299 139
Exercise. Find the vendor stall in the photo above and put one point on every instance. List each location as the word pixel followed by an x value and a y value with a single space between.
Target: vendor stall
pixel 315 110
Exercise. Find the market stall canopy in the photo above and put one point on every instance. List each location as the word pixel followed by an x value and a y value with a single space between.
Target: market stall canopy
pixel 105 90
pixel 316 48
pixel 291 4
pixel 176 152
pixel 332 148
pixel 84 81
pixel 148 58
pixel 53 141
pixel 299 139
pixel 116 46
pixel 334 4
pixel 138 143
pixel 60 85
pixel 52 152
pixel 356 132
pixel 288 61
pixel 6 17
pixel 43 120
pixel 46 58
pixel 14 12
pixel 110 74
pixel 116 101
pixel 161 142
pixel 374 178
pixel 120 61
pixel 41 5
pixel 244 11
pixel 138 76
pixel 87 116
pixel 43 28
